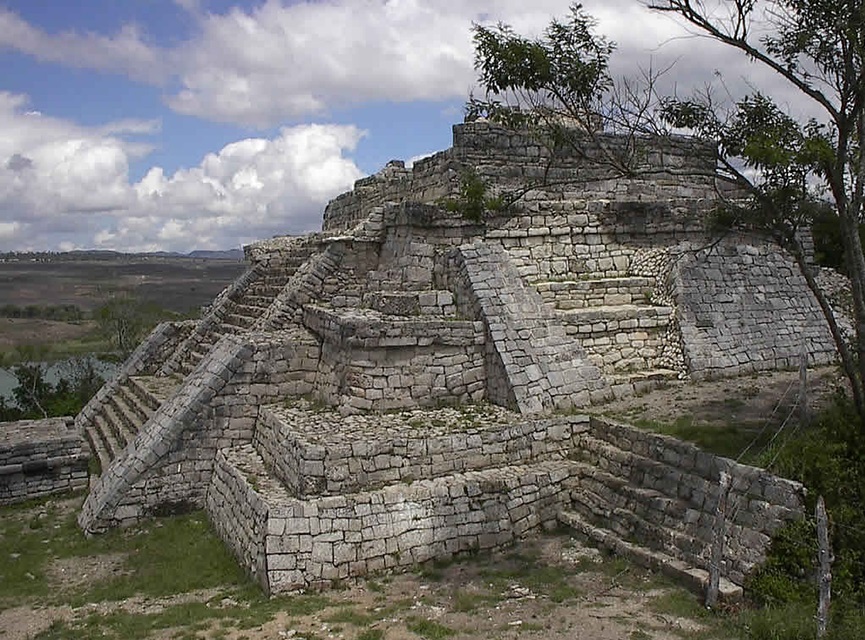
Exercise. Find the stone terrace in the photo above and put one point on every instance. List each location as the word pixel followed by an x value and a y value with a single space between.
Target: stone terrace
pixel 406 384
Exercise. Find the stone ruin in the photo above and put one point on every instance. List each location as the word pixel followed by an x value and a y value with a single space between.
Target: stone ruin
pixel 406 385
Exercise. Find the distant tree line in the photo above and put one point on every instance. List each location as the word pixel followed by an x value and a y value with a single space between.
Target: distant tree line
pixel 59 312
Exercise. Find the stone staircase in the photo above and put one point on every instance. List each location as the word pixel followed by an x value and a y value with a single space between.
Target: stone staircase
pixel 238 315
pixel 630 486
pixel 124 413
pixel 624 333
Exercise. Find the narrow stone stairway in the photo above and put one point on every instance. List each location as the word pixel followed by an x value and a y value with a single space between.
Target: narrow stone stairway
pixel 624 333
pixel 124 413
pixel 634 496
pixel 238 315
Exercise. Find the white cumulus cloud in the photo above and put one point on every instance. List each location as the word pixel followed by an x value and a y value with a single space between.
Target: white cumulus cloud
pixel 65 185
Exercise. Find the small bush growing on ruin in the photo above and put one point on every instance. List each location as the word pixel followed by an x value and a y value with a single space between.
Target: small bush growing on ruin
pixel 473 199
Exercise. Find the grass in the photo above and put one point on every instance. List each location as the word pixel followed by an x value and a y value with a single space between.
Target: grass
pixel 429 629
pixel 725 440
pixel 165 557
pixel 181 555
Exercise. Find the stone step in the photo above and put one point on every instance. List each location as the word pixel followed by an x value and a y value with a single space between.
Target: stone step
pixel 256 301
pixel 117 421
pixel 238 321
pixel 694 578
pixel 129 422
pixel 106 431
pixel 616 318
pixel 647 472
pixel 140 408
pixel 154 390
pixel 630 526
pixel 244 308
pixel 99 447
pixel 580 294
pixel 619 492
pixel 635 513
pixel 636 382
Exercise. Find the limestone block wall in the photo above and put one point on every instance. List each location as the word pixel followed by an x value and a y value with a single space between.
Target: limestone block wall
pixel 379 363
pixel 744 306
pixel 759 502
pixel 510 159
pixel 416 234
pixel 619 342
pixel 428 180
pixel 520 158
pixel 310 543
pixel 321 453
pixel 242 524
pixel 41 457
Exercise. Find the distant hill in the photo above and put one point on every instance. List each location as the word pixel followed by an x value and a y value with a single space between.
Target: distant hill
pixel 103 254
pixel 230 254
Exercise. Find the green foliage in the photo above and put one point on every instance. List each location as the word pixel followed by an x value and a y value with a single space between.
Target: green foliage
pixel 473 199
pixel 125 321
pixel 58 312
pixel 569 65
pixel 829 459
pixel 429 629
pixel 35 397
pixel 828 240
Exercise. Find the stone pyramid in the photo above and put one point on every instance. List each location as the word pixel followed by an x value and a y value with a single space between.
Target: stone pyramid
pixel 406 384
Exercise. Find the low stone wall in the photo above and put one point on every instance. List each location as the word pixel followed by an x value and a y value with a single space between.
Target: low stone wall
pixel 321 453
pixel 41 457
pixel 311 543
pixel 242 524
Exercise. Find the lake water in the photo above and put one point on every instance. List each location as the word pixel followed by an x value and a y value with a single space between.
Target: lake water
pixel 54 372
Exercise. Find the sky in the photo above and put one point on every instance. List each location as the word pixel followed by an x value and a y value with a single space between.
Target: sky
pixel 175 125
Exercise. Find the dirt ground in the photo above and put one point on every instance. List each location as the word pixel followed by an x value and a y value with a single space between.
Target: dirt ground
pixel 747 400
pixel 549 587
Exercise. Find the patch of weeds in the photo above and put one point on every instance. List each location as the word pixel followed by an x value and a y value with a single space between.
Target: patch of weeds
pixel 526 568
pixel 347 615
pixel 792 622
pixel 429 629
pixel 679 603
pixel 467 602
pixel 370 634
pixel 375 586
pixel 394 608
pixel 724 440
pixel 175 555
pixel 639 634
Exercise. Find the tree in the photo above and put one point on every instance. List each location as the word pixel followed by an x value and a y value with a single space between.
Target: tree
pixel 785 171
pixel 35 397
pixel 125 320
